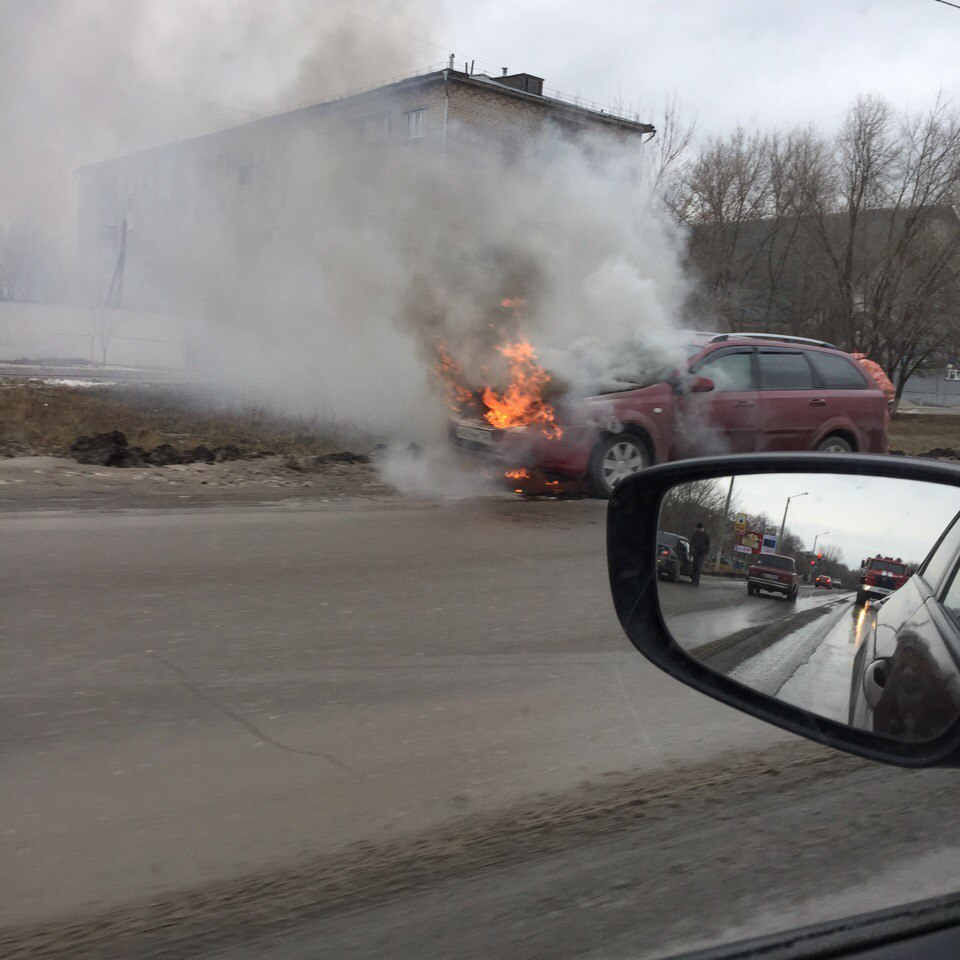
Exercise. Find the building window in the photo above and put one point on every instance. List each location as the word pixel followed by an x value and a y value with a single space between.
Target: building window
pixel 416 124
pixel 376 127
pixel 953 373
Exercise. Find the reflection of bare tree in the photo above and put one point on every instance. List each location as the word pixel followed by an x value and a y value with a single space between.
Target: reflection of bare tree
pixel 687 504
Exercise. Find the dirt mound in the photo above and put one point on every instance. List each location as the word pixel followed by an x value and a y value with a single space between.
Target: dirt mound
pixel 937 453
pixel 113 450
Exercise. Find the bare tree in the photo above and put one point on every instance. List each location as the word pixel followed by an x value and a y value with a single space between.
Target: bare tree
pixel 666 155
pixel 856 240
pixel 726 193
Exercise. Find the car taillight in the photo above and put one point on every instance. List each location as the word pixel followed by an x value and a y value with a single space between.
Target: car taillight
pixel 664 553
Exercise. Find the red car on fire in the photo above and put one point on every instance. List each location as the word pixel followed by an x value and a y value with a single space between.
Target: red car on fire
pixel 739 393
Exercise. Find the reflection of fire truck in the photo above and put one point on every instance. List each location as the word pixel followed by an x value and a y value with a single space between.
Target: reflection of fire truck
pixel 880 576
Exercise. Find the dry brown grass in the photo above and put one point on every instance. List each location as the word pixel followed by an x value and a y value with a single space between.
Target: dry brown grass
pixel 45 419
pixel 918 433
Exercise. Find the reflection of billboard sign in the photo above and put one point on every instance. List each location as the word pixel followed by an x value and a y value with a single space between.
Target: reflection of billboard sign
pixel 749 542
pixel 740 523
pixel 769 543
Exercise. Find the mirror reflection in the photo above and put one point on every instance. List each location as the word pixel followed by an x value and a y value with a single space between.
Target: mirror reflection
pixel 835 593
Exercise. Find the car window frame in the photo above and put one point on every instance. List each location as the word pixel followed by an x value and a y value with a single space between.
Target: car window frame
pixel 935 588
pixel 713 355
pixel 849 361
pixel 780 351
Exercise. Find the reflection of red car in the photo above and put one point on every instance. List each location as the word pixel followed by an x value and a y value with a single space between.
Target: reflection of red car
pixel 740 393
pixel 775 573
pixel 823 581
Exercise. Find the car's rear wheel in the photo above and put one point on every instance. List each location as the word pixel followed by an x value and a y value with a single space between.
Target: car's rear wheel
pixel 835 444
pixel 614 459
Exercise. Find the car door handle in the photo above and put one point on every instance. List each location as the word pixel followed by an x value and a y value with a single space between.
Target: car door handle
pixel 874 680
pixel 744 403
pixel 818 402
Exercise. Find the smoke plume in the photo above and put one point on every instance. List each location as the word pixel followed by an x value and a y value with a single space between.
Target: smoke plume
pixel 328 290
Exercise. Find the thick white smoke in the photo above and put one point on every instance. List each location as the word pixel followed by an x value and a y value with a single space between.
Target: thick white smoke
pixel 387 256
pixel 83 80
pixel 362 260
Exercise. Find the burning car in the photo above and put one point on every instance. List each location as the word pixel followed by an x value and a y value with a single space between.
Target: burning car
pixel 734 393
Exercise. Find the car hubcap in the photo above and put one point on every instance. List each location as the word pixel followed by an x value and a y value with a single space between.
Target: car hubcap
pixel 833 447
pixel 622 460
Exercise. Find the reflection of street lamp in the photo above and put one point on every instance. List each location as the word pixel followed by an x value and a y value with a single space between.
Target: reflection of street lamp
pixel 826 533
pixel 783 523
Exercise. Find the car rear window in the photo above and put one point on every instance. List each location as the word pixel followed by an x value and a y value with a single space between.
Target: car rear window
pixel 777 562
pixel 668 539
pixel 781 370
pixel 836 372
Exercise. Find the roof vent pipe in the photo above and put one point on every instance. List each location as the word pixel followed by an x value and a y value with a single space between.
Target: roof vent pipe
pixel 504 69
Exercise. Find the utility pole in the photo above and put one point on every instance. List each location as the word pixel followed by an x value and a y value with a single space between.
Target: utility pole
pixel 723 527
pixel 783 524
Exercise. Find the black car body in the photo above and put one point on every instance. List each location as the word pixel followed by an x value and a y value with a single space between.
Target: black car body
pixel 674 556
pixel 906 673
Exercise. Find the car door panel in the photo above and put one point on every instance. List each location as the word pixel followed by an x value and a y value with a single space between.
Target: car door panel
pixel 790 409
pixel 723 420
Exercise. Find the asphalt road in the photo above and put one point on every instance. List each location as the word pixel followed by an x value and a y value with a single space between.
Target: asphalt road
pixel 285 698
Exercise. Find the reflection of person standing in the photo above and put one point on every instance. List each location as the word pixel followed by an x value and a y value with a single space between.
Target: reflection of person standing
pixel 700 542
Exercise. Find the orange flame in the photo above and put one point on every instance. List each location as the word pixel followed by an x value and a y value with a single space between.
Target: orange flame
pixel 451 376
pixel 512 303
pixel 521 404
pixel 519 474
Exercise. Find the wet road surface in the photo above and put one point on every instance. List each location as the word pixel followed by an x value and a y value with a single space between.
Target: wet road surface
pixel 269 706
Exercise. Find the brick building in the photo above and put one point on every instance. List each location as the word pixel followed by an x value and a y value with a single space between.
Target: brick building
pixel 167 198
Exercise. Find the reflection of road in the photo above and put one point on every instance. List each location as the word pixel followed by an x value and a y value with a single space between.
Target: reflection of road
pixel 719 608
pixel 800 652
pixel 810 667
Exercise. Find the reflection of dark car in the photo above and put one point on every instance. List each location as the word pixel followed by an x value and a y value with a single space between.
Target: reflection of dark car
pixel 775 573
pixel 905 681
pixel 835 584
pixel 674 556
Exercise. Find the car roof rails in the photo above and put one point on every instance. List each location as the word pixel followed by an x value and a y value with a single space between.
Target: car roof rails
pixel 779 337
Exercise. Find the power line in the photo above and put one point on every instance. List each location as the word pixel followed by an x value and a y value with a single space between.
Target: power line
pixel 947 3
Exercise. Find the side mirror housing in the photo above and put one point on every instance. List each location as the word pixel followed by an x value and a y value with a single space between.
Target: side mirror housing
pixel 802 667
pixel 700 385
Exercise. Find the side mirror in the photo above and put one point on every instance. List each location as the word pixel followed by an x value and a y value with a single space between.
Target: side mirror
pixel 875 679
pixel 700 385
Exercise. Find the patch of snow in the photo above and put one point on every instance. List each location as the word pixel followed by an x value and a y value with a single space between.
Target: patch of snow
pixel 68 382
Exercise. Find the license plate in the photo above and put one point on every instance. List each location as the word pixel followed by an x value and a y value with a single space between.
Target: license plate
pixel 769 576
pixel 474 434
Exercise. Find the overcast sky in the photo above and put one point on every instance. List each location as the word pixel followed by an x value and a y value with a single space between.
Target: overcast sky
pixel 81 80
pixel 861 516
pixel 753 62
